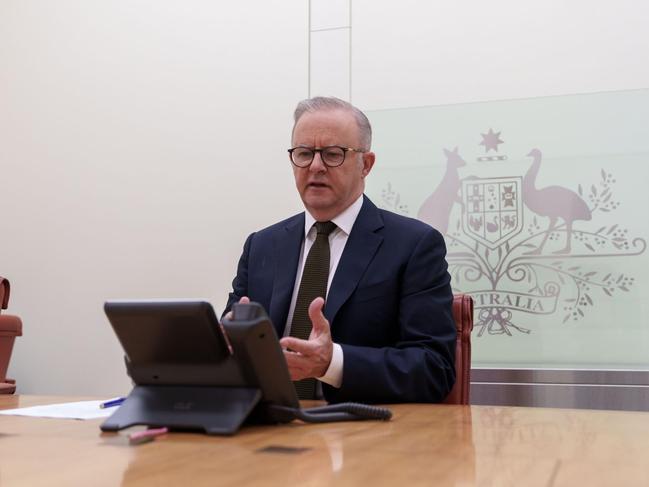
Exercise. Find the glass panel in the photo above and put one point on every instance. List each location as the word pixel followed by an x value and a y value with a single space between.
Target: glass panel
pixel 544 206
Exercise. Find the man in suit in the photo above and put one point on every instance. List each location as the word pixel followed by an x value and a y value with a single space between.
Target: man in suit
pixel 384 331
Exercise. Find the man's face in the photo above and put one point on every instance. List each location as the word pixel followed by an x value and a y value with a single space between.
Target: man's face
pixel 327 191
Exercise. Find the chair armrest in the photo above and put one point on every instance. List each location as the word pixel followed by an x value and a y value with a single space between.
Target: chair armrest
pixel 10 326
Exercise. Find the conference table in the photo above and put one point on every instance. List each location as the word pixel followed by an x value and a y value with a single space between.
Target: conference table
pixel 423 444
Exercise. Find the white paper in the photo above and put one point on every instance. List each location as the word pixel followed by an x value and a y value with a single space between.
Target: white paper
pixel 67 410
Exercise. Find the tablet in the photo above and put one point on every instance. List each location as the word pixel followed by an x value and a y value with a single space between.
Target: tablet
pixel 191 372
pixel 178 354
pixel 173 343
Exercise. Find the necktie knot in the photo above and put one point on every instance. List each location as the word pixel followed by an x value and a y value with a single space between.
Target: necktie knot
pixel 325 228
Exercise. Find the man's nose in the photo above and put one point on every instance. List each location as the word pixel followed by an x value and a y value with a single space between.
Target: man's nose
pixel 317 165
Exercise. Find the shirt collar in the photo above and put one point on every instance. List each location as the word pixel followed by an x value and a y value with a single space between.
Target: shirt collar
pixel 344 221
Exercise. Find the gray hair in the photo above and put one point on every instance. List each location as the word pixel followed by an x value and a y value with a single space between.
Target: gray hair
pixel 331 103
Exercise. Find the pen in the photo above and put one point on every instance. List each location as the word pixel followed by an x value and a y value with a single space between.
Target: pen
pixel 146 435
pixel 112 402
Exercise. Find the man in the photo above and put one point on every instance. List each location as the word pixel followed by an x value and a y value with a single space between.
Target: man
pixel 384 331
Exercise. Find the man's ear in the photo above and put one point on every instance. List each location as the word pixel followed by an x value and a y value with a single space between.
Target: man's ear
pixel 368 162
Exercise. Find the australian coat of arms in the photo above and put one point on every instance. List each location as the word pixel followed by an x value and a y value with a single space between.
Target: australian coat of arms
pixel 518 247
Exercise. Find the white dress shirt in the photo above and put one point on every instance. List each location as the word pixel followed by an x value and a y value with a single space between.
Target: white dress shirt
pixel 337 241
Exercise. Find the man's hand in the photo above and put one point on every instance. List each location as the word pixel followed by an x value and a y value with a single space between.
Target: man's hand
pixel 243 300
pixel 310 358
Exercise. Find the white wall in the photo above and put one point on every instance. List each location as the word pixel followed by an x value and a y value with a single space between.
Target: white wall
pixel 140 142
pixel 413 53
pixel 429 53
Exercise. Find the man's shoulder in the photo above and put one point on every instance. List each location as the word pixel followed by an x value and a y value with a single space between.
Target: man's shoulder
pixel 287 223
pixel 397 219
pixel 398 223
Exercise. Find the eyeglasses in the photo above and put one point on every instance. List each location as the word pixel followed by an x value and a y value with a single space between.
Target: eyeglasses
pixel 332 155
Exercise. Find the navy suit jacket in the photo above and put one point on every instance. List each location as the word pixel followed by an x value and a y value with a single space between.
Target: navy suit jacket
pixel 389 304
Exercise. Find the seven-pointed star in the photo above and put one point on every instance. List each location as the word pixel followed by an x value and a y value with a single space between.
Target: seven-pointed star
pixel 490 140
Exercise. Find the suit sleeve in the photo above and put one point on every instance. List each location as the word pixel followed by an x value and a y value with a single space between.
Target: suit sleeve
pixel 240 282
pixel 419 366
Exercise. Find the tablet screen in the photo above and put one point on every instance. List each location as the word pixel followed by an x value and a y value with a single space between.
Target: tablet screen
pixel 170 332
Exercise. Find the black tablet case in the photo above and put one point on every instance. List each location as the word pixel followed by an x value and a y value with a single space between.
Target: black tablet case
pixel 190 372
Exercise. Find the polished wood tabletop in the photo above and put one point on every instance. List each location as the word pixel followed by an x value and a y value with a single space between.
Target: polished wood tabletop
pixel 421 445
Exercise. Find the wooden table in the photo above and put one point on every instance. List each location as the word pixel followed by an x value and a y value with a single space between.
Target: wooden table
pixel 422 445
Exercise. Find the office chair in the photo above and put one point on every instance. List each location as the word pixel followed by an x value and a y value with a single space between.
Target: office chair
pixel 10 328
pixel 463 314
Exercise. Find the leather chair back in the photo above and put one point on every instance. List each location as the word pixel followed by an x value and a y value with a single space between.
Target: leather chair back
pixel 4 293
pixel 463 314
pixel 10 328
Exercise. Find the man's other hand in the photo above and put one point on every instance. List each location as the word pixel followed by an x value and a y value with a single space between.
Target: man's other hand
pixel 243 300
pixel 310 358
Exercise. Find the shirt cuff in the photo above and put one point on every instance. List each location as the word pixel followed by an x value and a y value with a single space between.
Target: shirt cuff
pixel 334 374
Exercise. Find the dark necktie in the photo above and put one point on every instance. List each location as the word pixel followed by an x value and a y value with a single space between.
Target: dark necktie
pixel 313 285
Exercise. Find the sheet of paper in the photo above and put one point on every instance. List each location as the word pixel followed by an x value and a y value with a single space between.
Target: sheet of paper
pixel 67 410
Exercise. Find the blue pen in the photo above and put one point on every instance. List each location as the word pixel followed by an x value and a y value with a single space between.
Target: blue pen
pixel 112 403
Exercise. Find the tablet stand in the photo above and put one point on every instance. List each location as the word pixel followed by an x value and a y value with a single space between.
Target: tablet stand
pixel 193 373
pixel 216 410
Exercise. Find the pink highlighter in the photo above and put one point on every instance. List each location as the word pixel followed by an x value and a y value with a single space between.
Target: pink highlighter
pixel 146 435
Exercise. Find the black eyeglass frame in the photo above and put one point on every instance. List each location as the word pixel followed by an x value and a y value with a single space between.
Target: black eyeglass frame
pixel 320 150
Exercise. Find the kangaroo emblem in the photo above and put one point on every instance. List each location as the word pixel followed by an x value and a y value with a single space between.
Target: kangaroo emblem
pixel 436 210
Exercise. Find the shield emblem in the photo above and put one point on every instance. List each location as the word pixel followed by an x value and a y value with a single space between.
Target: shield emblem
pixel 493 209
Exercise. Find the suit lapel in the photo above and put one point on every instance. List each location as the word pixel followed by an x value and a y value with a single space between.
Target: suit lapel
pixel 361 246
pixel 286 247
